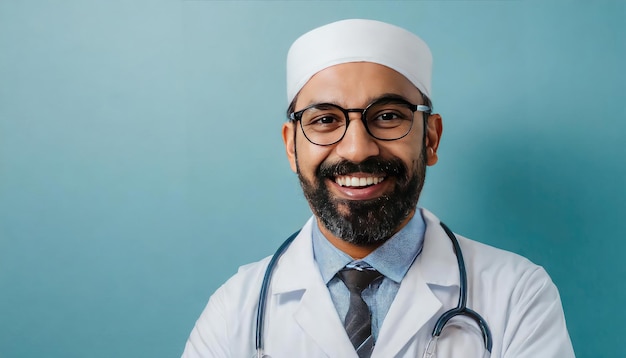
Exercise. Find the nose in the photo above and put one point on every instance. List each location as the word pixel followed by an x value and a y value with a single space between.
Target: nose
pixel 357 144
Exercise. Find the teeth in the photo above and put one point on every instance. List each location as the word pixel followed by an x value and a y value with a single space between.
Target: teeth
pixel 357 182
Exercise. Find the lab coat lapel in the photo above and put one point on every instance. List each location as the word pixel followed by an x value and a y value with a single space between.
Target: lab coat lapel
pixel 318 318
pixel 415 304
pixel 315 314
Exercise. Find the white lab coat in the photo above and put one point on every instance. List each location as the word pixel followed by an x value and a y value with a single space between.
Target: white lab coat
pixel 516 298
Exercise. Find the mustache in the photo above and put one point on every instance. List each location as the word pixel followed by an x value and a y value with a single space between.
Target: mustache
pixel 373 165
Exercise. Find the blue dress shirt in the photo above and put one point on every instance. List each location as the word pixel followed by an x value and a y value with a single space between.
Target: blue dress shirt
pixel 392 259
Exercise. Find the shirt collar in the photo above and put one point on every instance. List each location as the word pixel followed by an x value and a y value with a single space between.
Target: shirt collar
pixel 392 259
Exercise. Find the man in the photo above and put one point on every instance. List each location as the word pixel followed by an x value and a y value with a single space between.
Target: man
pixel 370 274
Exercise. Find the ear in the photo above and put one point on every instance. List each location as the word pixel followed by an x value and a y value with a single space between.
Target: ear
pixel 434 128
pixel 290 144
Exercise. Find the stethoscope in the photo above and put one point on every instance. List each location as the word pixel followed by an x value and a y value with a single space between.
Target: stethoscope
pixel 460 309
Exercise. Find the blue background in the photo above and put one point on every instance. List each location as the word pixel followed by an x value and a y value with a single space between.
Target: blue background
pixel 141 160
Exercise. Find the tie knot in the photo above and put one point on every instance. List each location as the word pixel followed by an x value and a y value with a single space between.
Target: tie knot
pixel 357 280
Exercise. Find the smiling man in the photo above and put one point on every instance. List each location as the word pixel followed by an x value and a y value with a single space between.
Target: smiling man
pixel 371 274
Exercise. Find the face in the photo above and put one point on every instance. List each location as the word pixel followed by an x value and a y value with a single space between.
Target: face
pixel 361 189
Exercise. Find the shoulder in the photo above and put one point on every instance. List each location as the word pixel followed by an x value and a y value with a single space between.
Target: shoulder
pixel 242 289
pixel 486 255
pixel 237 289
pixel 488 267
pixel 228 314
pixel 238 295
pixel 481 257
pixel 501 266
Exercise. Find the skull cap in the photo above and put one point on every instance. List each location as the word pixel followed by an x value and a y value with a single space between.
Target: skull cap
pixel 358 40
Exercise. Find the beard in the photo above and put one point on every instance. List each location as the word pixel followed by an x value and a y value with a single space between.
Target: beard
pixel 365 222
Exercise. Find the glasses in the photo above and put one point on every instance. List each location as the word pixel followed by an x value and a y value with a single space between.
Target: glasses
pixel 387 118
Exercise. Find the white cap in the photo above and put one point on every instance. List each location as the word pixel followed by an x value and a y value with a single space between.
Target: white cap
pixel 358 40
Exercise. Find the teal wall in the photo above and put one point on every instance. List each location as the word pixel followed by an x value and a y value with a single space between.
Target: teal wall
pixel 141 160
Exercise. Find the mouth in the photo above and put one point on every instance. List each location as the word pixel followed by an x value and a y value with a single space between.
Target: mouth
pixel 361 181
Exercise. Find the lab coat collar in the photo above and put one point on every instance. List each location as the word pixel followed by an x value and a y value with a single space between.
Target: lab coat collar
pixel 437 262
pixel 296 269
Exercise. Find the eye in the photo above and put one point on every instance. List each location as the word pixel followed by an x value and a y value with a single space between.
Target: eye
pixel 323 117
pixel 325 120
pixel 387 116
pixel 321 120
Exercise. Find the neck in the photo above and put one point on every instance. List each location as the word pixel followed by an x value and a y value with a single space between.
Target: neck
pixel 355 251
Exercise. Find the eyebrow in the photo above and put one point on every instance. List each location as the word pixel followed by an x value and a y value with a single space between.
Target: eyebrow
pixel 370 100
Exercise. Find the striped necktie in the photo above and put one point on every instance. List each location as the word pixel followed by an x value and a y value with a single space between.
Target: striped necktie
pixel 358 321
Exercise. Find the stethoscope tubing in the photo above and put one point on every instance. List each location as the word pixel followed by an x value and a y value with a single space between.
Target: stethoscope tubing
pixel 460 309
pixel 267 278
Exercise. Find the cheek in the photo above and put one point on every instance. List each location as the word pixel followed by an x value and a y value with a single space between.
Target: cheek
pixel 309 156
pixel 407 151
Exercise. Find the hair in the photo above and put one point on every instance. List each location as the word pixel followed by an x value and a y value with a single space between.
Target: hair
pixel 292 106
pixel 290 110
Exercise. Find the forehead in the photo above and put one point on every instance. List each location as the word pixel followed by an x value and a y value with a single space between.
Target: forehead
pixel 356 84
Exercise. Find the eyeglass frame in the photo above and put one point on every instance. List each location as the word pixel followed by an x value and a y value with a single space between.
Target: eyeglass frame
pixel 426 110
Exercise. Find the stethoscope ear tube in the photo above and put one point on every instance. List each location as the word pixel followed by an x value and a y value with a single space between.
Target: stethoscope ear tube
pixel 461 308
pixel 260 313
